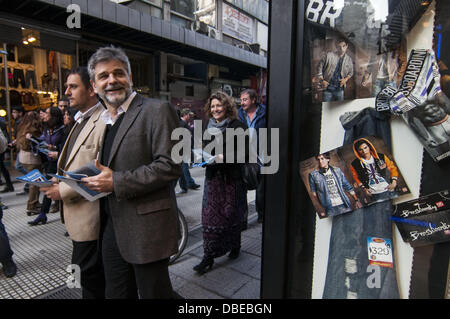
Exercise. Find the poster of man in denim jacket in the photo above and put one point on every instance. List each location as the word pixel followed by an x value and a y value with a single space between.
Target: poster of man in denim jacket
pixel 329 185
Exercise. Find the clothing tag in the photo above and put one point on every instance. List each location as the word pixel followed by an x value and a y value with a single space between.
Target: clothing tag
pixel 380 252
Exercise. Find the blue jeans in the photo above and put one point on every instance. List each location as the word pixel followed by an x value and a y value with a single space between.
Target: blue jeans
pixel 19 166
pixel 348 261
pixel 338 210
pixel 333 95
pixel 381 84
pixel 186 179
pixel 5 249
pixel 368 122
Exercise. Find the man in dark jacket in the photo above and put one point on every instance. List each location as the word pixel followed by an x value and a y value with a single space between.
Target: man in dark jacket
pixel 186 181
pixel 253 114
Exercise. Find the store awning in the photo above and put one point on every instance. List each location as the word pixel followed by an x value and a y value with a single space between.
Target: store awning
pixel 106 21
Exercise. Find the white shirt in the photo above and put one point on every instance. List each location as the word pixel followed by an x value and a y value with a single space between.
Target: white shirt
pixel 333 190
pixel 107 116
pixel 377 184
pixel 79 116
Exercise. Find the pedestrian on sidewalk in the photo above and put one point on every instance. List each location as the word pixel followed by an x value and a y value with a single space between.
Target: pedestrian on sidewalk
pixel 53 135
pixel 254 114
pixel 140 230
pixel 186 181
pixel 224 197
pixel 18 113
pixel 30 124
pixel 9 267
pixel 4 130
pixel 81 217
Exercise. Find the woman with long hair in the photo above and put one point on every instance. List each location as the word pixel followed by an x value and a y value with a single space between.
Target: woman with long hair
pixel 69 120
pixel 53 135
pixel 224 197
pixel 30 124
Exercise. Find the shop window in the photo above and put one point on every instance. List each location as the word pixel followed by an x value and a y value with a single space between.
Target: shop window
pixel 257 8
pixel 184 7
pixel 206 12
pixel 25 54
pixel 11 53
pixel 359 67
pixel 184 23
pixel 154 2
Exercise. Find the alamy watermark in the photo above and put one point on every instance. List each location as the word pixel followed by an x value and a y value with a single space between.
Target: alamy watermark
pixel 253 151
pixel 74 19
pixel 74 279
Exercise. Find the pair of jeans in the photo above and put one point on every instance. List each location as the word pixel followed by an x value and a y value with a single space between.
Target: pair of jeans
pixel 259 198
pixel 333 94
pixel 5 171
pixel 30 75
pixel 5 248
pixel 381 84
pixel 50 168
pixel 33 195
pixel 19 167
pixel 367 122
pixel 19 78
pixel 10 77
pixel 338 210
pixel 348 272
pixel 186 179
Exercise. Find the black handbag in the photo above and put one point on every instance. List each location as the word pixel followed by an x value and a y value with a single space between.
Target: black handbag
pixel 250 175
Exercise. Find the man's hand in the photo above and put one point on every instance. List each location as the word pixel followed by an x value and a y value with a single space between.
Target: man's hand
pixel 324 84
pixel 343 81
pixel 358 204
pixel 52 191
pixel 53 155
pixel 392 185
pixel 103 182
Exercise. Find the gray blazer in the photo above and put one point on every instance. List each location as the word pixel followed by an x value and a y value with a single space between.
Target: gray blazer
pixel 143 205
pixel 328 63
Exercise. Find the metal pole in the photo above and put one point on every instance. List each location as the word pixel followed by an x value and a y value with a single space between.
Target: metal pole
pixel 8 101
pixel 59 76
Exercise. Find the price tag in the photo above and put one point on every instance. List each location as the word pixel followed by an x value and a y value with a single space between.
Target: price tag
pixel 380 252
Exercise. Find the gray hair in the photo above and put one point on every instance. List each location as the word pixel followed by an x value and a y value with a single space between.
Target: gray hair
pixel 107 54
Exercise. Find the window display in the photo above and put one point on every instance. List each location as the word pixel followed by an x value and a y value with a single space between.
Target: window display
pixel 425 220
pixel 360 174
pixel 376 96
pixel 37 83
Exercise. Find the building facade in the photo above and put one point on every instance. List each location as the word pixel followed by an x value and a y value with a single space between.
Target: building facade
pixel 180 50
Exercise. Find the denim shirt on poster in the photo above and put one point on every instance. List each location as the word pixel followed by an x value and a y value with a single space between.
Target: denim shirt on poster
pixel 318 185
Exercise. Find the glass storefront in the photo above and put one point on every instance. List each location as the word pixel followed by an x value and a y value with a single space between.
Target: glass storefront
pixel 368 216
pixel 36 75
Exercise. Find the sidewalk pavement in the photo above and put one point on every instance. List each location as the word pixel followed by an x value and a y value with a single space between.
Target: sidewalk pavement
pixel 42 254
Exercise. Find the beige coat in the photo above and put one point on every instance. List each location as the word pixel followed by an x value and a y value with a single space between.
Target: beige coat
pixel 81 217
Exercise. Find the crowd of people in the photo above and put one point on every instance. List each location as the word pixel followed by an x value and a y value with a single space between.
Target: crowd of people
pixel 122 242
pixel 31 130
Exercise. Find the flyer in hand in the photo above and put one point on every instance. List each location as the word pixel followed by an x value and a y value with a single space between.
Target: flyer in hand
pixel 38 146
pixel 73 179
pixel 35 178
pixel 200 155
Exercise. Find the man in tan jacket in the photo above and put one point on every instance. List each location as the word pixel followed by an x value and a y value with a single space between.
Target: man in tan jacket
pixel 81 217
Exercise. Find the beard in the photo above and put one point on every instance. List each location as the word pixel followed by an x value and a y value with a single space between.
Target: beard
pixel 115 100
